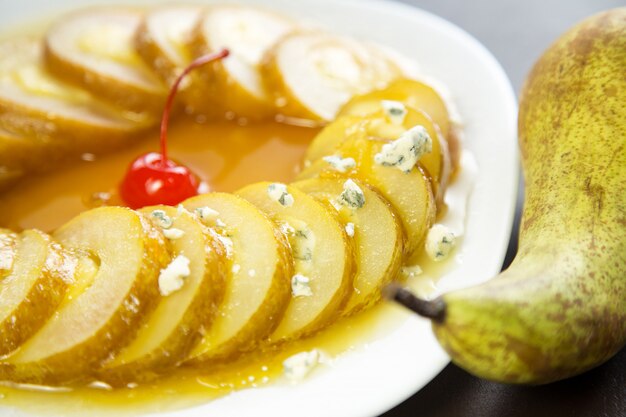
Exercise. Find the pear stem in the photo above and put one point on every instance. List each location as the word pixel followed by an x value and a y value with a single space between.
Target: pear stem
pixel 432 309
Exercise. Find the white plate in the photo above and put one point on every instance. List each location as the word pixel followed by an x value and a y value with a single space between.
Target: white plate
pixel 374 378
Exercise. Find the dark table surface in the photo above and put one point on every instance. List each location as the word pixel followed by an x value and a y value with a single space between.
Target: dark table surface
pixel 517 32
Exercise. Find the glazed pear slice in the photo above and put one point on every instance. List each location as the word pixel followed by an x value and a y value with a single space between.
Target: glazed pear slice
pixel 44 120
pixel 409 193
pixel 163 37
pixel 248 33
pixel 106 305
pixel 418 95
pixel 15 150
pixel 378 239
pixel 413 93
pixel 322 252
pixel 174 327
pixel 313 74
pixel 258 289
pixel 8 249
pixel 94 48
pixel 379 124
pixel 33 289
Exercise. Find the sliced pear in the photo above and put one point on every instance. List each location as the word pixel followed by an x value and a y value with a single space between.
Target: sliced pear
pixel 44 120
pixel 418 95
pixel 15 151
pixel 380 125
pixel 94 48
pixel 8 249
pixel 325 143
pixel 258 289
pixel 322 252
pixel 409 193
pixel 313 74
pixel 377 234
pixel 163 37
pixel 248 33
pixel 33 289
pixel 174 327
pixel 107 304
pixel 413 93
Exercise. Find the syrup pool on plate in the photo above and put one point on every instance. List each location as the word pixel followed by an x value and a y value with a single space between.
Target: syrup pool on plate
pixel 225 155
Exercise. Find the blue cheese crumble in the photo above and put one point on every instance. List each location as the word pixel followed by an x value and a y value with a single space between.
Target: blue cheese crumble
pixel 278 192
pixel 340 164
pixel 206 214
pixel 404 152
pixel 162 219
pixel 298 366
pixel 300 286
pixel 352 196
pixel 173 233
pixel 350 229
pixel 172 278
pixel 440 242
pixel 394 110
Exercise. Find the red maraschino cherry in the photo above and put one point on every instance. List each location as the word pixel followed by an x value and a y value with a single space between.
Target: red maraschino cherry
pixel 153 178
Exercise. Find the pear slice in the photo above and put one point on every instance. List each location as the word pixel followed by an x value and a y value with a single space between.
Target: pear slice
pixel 44 120
pixel 409 193
pixel 313 74
pixel 248 33
pixel 322 252
pixel 258 289
pixel 379 124
pixel 33 289
pixel 106 305
pixel 94 48
pixel 15 150
pixel 8 249
pixel 163 40
pixel 174 327
pixel 413 93
pixel 378 239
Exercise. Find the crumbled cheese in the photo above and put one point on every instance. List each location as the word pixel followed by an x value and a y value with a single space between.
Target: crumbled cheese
pixel 394 110
pixel 278 192
pixel 228 244
pixel 206 214
pixel 287 229
pixel 440 242
pixel 251 273
pixel 173 276
pixel 180 209
pixel 162 219
pixel 220 223
pixel 404 152
pixel 298 366
pixel 340 164
pixel 352 195
pixel 300 286
pixel 236 268
pixel 411 271
pixel 173 233
pixel 350 229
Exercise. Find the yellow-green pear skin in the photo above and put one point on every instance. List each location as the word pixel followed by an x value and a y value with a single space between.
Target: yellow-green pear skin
pixel 560 308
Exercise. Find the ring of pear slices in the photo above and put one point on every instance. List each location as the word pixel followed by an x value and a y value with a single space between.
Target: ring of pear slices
pixel 123 296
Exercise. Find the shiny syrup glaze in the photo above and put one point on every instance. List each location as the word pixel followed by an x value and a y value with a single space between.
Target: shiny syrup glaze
pixel 225 156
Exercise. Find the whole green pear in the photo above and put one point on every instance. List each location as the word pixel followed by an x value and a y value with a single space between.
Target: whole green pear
pixel 560 308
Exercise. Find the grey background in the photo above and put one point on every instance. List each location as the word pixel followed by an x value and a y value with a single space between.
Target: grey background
pixel 517 32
